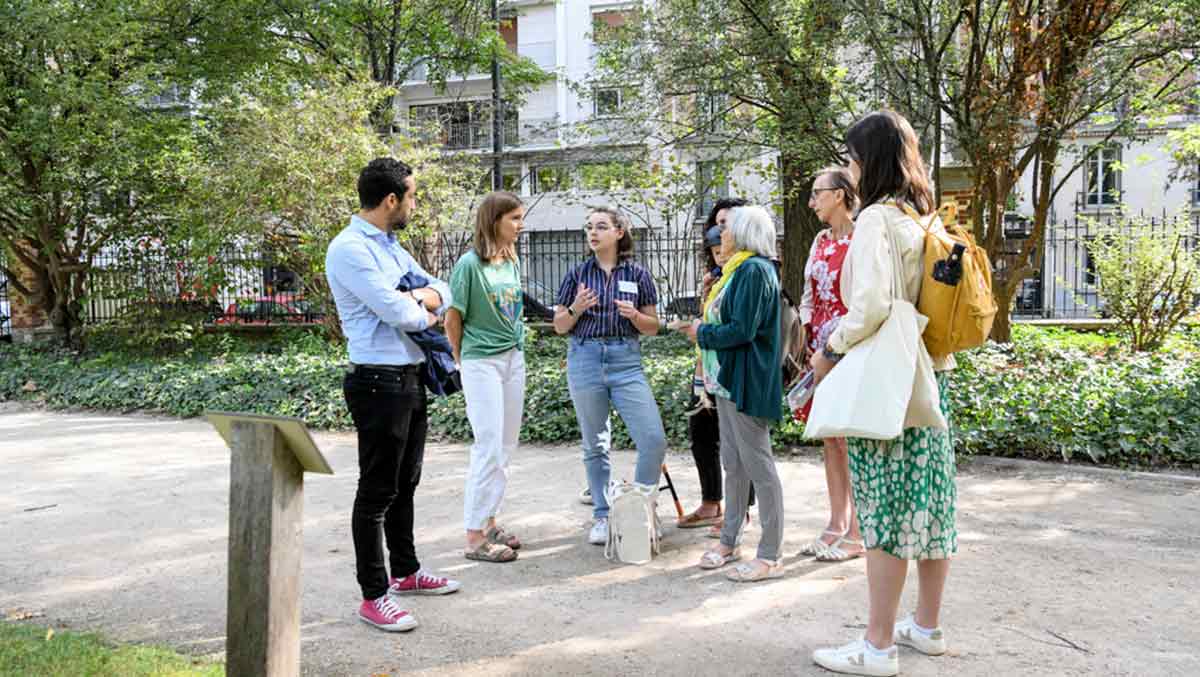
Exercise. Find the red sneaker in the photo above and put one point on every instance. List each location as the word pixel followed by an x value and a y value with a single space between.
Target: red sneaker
pixel 423 583
pixel 385 614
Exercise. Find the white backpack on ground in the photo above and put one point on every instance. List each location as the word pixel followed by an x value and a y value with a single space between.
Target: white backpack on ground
pixel 632 522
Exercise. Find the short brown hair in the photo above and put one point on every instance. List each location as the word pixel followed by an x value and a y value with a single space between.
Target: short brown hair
pixel 843 181
pixel 625 245
pixel 888 154
pixel 494 205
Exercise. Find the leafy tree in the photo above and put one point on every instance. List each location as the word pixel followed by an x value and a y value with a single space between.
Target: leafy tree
pixel 737 80
pixel 90 127
pixel 283 170
pixel 388 41
pixel 1012 83
pixel 1149 279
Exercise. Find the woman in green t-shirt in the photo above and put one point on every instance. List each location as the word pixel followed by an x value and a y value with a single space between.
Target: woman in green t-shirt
pixel 485 329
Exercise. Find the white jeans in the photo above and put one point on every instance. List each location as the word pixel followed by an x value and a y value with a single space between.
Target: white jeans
pixel 494 388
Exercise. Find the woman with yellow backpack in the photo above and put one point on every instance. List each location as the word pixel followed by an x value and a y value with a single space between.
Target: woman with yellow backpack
pixel 904 488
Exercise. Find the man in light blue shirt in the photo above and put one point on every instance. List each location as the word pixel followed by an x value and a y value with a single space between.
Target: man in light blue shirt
pixel 384 390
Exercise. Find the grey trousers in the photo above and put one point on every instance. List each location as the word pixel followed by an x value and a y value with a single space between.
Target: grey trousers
pixel 746 455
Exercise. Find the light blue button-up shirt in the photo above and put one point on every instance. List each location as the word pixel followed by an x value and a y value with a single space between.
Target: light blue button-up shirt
pixel 363 266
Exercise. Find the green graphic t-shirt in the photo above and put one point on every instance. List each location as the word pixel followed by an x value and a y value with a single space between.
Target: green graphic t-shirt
pixel 488 295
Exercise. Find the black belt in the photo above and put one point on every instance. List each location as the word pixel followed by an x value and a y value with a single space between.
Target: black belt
pixel 396 369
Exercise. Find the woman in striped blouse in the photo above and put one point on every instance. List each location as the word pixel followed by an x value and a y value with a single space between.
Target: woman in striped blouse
pixel 606 303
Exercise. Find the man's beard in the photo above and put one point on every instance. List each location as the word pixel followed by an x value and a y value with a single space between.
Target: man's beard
pixel 400 223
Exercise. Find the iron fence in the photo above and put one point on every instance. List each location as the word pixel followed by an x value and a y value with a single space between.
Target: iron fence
pixel 238 285
pixel 251 285
pixel 1066 284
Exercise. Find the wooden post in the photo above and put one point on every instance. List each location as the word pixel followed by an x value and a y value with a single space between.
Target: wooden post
pixel 266 498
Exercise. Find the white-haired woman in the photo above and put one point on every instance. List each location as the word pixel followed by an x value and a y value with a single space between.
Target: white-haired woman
pixel 740 350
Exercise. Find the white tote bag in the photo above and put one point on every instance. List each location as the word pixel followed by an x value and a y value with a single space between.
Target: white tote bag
pixel 868 392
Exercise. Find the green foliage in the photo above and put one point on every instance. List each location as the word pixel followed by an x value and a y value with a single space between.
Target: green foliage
pixel 283 169
pixel 29 650
pixel 1050 394
pixel 90 126
pixel 1148 278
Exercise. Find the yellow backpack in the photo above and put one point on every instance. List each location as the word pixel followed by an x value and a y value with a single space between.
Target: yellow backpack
pixel 956 289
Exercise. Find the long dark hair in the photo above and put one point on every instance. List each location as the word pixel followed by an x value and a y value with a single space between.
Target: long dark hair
pixel 889 158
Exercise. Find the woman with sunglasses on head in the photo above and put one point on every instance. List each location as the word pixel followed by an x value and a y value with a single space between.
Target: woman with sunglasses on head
pixel 833 198
pixel 903 488
pixel 606 303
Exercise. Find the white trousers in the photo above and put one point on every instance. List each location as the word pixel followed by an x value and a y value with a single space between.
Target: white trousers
pixel 494 388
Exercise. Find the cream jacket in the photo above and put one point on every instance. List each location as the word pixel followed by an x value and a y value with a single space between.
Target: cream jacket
pixel 866 282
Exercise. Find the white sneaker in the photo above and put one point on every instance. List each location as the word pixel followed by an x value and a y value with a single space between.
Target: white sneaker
pixel 585 497
pixel 908 634
pixel 599 533
pixel 857 658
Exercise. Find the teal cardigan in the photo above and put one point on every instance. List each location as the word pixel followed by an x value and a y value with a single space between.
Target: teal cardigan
pixel 747 340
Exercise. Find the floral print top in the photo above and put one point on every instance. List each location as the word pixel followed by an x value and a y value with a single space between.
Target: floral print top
pixel 822 276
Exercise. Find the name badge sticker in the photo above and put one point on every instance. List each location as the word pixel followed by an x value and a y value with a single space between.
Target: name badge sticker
pixel 627 287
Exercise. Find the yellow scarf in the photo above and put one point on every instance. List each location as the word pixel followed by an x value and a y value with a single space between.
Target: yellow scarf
pixel 726 273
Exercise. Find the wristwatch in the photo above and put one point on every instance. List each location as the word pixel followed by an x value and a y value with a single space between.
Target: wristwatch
pixel 570 311
pixel 829 354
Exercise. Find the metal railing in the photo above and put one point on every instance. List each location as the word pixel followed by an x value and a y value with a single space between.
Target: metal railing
pixel 513 133
pixel 1066 285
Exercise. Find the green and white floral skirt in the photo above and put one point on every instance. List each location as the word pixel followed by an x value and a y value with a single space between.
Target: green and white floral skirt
pixel 904 491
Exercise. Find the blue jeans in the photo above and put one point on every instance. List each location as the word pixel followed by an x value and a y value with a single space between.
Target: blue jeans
pixel 606 373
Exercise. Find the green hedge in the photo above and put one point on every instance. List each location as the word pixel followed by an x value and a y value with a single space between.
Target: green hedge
pixel 1050 394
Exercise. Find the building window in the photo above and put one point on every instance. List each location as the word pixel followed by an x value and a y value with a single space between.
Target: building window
pixel 466 124
pixel 605 176
pixel 1103 176
pixel 608 101
pixel 607 24
pixel 712 184
pixel 551 178
pixel 1196 188
pixel 510 180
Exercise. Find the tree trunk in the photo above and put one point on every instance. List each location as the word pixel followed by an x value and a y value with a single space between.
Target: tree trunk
pixel 800 225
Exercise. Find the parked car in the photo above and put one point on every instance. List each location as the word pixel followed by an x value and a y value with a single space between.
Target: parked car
pixel 277 309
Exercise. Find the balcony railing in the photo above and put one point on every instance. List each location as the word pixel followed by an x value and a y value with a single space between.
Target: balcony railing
pixel 513 133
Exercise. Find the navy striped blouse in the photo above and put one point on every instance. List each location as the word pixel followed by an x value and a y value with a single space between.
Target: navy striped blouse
pixel 629 282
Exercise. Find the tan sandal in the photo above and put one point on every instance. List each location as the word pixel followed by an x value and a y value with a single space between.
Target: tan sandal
pixel 491 552
pixel 501 536
pixel 694 520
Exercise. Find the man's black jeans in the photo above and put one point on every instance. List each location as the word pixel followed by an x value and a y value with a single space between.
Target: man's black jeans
pixel 389 412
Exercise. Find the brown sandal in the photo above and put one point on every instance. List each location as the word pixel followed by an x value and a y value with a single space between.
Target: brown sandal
pixel 491 552
pixel 694 520
pixel 501 536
